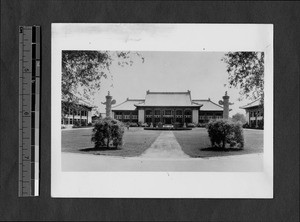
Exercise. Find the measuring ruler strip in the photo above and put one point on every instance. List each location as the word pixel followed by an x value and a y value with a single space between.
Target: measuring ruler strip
pixel 29 110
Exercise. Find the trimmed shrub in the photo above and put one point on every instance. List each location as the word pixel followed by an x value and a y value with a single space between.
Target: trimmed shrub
pixel 108 132
pixel 246 125
pixel 75 124
pixel 160 125
pixel 222 132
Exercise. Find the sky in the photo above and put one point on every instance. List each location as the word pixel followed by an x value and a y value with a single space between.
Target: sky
pixel 203 73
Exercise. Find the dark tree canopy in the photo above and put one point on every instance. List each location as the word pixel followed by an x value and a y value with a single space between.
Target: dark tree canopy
pixel 246 71
pixel 82 72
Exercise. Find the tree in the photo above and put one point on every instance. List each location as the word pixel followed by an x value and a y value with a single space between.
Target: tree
pixel 239 117
pixel 82 72
pixel 246 71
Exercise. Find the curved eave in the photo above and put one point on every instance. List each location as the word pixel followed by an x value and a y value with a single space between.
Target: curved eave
pixel 116 110
pixel 144 106
pixel 249 107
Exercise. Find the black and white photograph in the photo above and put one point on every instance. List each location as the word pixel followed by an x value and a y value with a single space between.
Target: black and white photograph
pixel 170 103
pixel 174 111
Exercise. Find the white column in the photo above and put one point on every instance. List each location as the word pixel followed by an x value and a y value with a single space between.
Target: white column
pixel 89 116
pixel 247 117
pixel 195 116
pixel 141 115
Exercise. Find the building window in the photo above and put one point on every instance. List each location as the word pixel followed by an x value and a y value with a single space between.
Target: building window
pixel 148 120
pixel 157 112
pixel 157 120
pixel 188 112
pixel 179 112
pixel 168 112
pixel 148 112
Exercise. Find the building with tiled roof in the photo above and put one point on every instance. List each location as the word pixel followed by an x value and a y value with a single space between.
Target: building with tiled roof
pixel 76 113
pixel 167 108
pixel 254 114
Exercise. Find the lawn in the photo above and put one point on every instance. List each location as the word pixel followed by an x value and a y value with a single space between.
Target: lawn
pixel 196 143
pixel 136 141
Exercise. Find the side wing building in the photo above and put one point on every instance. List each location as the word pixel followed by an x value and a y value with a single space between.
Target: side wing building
pixel 254 114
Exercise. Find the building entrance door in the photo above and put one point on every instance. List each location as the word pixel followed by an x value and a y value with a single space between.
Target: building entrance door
pixel 168 120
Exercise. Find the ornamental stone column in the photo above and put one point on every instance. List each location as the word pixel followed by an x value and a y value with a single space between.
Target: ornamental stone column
pixel 109 101
pixel 225 104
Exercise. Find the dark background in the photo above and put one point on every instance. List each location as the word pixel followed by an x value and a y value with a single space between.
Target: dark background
pixel 286 19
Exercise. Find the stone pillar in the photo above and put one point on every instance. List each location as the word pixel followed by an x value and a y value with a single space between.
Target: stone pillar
pixel 87 116
pixel 248 116
pixel 109 101
pixel 73 110
pixel 183 118
pixel 195 116
pixel 108 104
pixel 256 121
pixel 152 118
pixel 113 115
pixel 225 104
pixel 80 117
pixel 174 116
pixel 141 114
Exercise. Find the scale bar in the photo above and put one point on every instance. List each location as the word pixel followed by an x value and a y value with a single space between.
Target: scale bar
pixel 29 110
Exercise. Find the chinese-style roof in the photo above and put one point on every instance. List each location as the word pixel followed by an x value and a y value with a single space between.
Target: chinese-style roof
pixel 129 104
pixel 175 99
pixel 208 105
pixel 80 102
pixel 252 104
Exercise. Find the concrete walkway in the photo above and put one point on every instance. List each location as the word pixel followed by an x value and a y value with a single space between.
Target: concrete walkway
pixel 165 146
pixel 78 162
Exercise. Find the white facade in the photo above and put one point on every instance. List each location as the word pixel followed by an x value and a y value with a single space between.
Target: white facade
pixel 141 115
pixel 195 116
